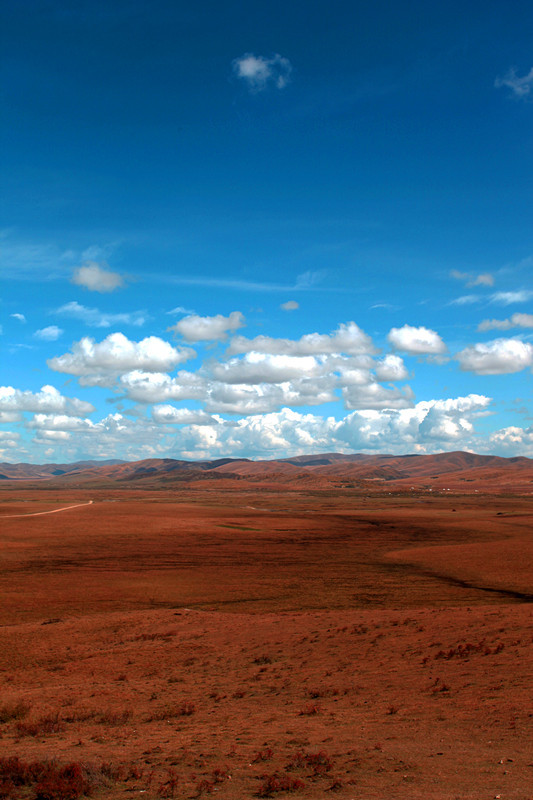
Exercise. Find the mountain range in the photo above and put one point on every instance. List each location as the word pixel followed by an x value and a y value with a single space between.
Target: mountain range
pixel 453 471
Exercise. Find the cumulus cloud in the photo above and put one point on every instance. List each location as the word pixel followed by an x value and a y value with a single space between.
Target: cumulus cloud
pixel 20 317
pixel 116 354
pixel 520 86
pixel 511 441
pixel 290 305
pixel 262 398
pixel 204 329
pixel 169 415
pixel 499 357
pixel 258 72
pixel 430 425
pixel 49 334
pixel 47 401
pixel 348 338
pixel 97 278
pixel 157 387
pixel 60 422
pixel 98 319
pixel 471 279
pixel 516 320
pixel 266 368
pixel 373 395
pixel 112 437
pixel 391 368
pixel 416 341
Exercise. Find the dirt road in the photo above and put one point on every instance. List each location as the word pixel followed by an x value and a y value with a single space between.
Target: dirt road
pixel 40 513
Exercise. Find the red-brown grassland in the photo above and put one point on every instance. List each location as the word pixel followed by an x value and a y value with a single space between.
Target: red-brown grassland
pixel 251 642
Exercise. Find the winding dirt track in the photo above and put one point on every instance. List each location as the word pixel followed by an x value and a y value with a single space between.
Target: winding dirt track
pixel 54 511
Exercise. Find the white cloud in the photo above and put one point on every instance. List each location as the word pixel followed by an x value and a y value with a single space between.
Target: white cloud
pixel 471 279
pixel 115 436
pixel 506 298
pixel 204 329
pixel 156 387
pixel 429 426
pixel 8 440
pixel 60 422
pixel 348 338
pixel 391 368
pixel 375 396
pixel 49 334
pixel 180 310
pixel 511 441
pixel 416 341
pixel 466 299
pixel 259 72
pixel 46 436
pixel 499 357
pixel 96 278
pixel 266 368
pixel 290 305
pixel 116 354
pixel 262 398
pixel 520 87
pixel 47 401
pixel 98 319
pixel 20 317
pixel 516 320
pixel 169 415
pixel 6 435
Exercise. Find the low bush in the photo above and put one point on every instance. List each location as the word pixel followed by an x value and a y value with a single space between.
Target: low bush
pixel 46 780
pixel 16 710
pixel 279 783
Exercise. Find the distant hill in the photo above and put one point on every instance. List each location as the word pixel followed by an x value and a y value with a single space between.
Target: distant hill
pixel 457 471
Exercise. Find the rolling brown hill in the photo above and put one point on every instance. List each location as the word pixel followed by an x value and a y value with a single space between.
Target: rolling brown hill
pixel 454 471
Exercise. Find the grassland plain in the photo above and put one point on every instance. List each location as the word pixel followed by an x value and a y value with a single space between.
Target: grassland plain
pixel 251 642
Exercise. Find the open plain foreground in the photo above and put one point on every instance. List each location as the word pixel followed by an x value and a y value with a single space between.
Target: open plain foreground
pixel 338 627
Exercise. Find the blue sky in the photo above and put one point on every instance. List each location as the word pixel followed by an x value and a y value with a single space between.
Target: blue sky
pixel 258 231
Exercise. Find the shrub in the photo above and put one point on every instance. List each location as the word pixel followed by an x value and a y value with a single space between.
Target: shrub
pixel 204 786
pixel 310 710
pixel 319 762
pixel 51 723
pixel 185 709
pixel 46 780
pixel 66 783
pixel 15 710
pixel 279 783
pixel 263 755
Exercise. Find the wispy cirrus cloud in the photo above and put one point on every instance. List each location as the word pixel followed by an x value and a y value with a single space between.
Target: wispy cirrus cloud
pixel 466 299
pixel 49 334
pixel 259 73
pixel 471 279
pixel 305 282
pixel 506 298
pixel 521 87
pixel 98 319
pixel 498 298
